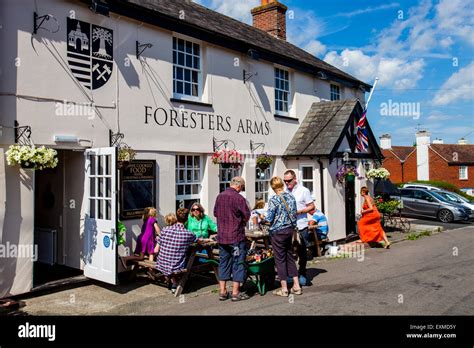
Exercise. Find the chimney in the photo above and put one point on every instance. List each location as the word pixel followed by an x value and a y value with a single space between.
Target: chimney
pixel 438 141
pixel 422 155
pixel 385 141
pixel 462 141
pixel 271 17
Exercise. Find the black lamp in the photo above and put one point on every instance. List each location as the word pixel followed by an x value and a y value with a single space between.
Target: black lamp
pixel 100 7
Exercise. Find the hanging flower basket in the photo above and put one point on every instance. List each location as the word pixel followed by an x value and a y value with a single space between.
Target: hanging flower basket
pixel 264 161
pixel 31 157
pixel 378 173
pixel 227 158
pixel 125 155
pixel 347 174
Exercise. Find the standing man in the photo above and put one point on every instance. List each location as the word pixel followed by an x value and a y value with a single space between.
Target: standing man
pixel 232 213
pixel 304 204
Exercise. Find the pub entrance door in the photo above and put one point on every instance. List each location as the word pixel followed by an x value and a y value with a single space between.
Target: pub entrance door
pixel 100 221
pixel 350 206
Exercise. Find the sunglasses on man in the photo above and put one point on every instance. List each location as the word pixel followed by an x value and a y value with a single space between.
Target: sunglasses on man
pixel 288 181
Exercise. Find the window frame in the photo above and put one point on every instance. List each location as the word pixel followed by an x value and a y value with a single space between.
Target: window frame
pixel 200 89
pixel 466 177
pixel 301 180
pixel 184 196
pixel 331 85
pixel 226 183
pixel 265 180
pixel 275 89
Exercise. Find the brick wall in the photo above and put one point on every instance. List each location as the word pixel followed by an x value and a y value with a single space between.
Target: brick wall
pixel 271 18
pixel 439 170
pixel 393 165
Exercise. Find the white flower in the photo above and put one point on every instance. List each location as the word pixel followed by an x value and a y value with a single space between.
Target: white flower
pixel 26 155
pixel 378 173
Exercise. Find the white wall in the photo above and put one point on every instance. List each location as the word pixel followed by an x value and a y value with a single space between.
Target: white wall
pixel 42 79
pixel 16 227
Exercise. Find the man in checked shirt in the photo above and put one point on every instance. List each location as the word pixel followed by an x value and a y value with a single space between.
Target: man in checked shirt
pixel 232 213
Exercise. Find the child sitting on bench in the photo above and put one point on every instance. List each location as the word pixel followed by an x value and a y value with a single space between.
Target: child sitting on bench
pixel 146 239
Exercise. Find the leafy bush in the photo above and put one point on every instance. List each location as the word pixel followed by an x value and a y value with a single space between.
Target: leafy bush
pixel 386 207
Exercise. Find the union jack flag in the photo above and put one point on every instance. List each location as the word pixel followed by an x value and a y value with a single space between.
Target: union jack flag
pixel 362 140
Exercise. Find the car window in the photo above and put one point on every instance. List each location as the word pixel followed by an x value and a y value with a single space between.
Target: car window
pixel 441 197
pixel 450 197
pixel 407 193
pixel 423 195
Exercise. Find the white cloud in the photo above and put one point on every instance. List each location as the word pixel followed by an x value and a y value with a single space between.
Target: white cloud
pixel 239 10
pixel 455 17
pixel 367 10
pixel 304 30
pixel 392 72
pixel 460 86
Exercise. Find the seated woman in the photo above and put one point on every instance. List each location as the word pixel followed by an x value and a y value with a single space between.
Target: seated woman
pixel 173 243
pixel 199 223
pixel 370 229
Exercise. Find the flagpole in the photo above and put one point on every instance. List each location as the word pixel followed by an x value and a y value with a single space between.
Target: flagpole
pixel 371 92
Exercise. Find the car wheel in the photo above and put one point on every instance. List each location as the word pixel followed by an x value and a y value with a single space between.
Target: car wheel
pixel 445 215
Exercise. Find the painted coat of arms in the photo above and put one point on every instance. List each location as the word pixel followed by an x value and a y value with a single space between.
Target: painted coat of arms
pixel 89 53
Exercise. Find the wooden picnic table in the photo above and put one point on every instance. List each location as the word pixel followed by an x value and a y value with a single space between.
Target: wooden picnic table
pixel 255 236
pixel 195 250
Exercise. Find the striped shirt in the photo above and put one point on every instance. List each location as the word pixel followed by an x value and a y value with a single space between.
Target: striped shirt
pixel 174 241
pixel 322 222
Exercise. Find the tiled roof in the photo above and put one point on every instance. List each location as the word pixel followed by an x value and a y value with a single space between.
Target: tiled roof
pixel 401 152
pixel 453 153
pixel 219 25
pixel 321 128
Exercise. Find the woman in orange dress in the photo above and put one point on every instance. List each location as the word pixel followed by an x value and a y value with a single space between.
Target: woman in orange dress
pixel 370 229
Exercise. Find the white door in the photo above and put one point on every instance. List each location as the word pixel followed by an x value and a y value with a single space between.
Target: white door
pixel 100 247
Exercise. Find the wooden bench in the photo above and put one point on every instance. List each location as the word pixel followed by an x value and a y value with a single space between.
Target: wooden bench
pixel 138 263
pixel 317 243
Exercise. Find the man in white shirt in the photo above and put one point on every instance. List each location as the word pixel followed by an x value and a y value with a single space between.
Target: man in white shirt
pixel 304 204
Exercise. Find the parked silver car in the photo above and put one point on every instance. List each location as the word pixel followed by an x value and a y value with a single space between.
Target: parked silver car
pixel 424 203
pixel 458 199
pixel 421 186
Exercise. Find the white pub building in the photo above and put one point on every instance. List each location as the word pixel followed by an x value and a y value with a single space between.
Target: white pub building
pixel 174 81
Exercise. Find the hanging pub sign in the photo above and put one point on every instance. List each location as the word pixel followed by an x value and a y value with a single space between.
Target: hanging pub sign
pixel 137 188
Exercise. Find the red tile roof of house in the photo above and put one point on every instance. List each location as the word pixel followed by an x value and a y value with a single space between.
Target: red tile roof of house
pixel 454 153
pixel 401 152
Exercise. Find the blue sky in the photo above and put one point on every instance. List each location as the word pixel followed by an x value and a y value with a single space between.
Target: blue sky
pixel 421 51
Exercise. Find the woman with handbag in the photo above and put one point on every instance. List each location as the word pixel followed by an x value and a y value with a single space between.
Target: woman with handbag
pixel 281 216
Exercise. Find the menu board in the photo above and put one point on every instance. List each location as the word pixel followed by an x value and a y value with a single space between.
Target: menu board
pixel 137 188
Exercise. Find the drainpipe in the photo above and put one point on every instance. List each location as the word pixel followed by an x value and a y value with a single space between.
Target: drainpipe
pixel 403 176
pixel 321 183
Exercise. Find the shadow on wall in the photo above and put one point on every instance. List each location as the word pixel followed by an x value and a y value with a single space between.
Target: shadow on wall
pixel 124 59
pixel 89 240
pixel 12 222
